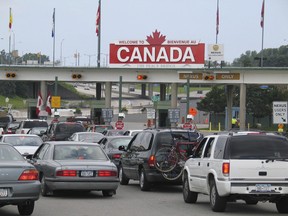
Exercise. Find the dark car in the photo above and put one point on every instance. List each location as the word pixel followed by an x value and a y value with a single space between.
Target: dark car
pixel 138 159
pixel 71 165
pixel 19 184
pixel 111 144
pixel 5 120
pixel 62 131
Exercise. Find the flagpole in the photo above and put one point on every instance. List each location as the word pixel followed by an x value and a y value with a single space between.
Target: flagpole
pixel 262 21
pixel 99 36
pixel 217 21
pixel 54 36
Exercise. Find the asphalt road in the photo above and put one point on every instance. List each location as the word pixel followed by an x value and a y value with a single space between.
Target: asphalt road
pixel 130 201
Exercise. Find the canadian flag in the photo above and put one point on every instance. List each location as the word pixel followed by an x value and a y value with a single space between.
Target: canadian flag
pixel 98 21
pixel 39 103
pixel 48 104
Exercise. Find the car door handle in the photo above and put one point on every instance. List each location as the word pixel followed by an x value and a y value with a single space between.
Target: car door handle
pixel 208 164
pixel 198 163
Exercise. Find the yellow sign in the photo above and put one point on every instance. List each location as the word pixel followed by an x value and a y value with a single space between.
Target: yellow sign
pixel 56 101
pixel 228 76
pixel 192 76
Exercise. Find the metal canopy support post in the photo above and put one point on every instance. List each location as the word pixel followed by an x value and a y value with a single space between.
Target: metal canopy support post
pixel 108 86
pixel 187 98
pixel 229 94
pixel 173 100
pixel 120 94
pixel 242 113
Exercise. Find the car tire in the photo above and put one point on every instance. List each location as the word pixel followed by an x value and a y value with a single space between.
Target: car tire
pixel 144 184
pixel 26 208
pixel 122 177
pixel 45 191
pixel 108 193
pixel 217 203
pixel 188 196
pixel 282 205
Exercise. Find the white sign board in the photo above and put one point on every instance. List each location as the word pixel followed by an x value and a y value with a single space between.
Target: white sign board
pixel 280 112
pixel 216 52
pixel 150 113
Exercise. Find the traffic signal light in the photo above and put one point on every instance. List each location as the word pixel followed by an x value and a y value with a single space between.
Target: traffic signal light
pixel 76 76
pixel 209 77
pixel 141 77
pixel 10 75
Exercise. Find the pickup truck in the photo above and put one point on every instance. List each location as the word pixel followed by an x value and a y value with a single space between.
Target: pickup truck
pixel 229 167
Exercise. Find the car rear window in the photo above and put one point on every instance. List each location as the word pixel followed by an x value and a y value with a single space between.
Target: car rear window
pixel 8 153
pixel 31 124
pixel 79 152
pixel 69 128
pixel 23 140
pixel 257 147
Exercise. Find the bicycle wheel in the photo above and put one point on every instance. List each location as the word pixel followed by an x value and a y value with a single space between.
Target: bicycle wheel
pixel 174 174
pixel 166 159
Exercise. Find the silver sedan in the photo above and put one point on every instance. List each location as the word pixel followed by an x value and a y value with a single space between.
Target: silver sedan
pixel 70 165
pixel 19 180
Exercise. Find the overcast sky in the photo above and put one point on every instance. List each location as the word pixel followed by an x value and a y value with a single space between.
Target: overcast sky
pixel 239 29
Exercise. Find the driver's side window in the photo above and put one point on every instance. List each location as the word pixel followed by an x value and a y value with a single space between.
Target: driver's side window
pixel 199 150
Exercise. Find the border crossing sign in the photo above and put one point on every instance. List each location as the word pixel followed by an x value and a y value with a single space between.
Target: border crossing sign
pixel 280 112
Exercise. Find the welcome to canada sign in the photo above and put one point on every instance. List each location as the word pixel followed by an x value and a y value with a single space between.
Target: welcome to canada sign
pixel 157 52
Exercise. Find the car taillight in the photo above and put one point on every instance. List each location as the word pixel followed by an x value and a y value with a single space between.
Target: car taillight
pixel 225 168
pixel 106 173
pixel 151 161
pixel 28 175
pixel 53 138
pixel 22 132
pixel 66 173
pixel 116 156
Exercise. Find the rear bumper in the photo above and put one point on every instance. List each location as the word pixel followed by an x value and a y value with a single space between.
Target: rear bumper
pixel 20 192
pixel 226 188
pixel 154 176
pixel 82 185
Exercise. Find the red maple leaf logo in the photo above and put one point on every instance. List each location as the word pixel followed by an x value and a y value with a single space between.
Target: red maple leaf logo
pixel 156 38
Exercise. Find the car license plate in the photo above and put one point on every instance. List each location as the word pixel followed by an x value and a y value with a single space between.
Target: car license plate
pixel 3 192
pixel 86 173
pixel 263 187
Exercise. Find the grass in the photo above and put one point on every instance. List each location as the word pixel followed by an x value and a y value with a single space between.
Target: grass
pixel 16 102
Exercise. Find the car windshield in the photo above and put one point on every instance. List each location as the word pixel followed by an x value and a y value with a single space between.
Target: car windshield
pixel 258 147
pixel 8 153
pixel 23 140
pixel 79 152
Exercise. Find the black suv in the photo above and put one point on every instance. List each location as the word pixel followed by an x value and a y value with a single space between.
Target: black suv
pixel 62 131
pixel 137 161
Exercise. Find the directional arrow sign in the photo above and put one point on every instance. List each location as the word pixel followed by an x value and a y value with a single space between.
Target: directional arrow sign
pixel 280 112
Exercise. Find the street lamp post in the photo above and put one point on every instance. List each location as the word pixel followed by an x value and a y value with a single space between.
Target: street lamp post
pixel 106 58
pixel 89 56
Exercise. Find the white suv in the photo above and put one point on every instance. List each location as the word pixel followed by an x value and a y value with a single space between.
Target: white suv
pixel 250 167
pixel 27 124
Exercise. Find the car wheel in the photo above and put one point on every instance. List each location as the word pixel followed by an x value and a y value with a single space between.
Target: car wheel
pixel 26 208
pixel 282 206
pixel 108 193
pixel 189 196
pixel 144 184
pixel 217 203
pixel 122 177
pixel 45 191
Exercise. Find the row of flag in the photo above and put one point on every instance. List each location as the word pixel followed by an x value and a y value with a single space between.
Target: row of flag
pixel 40 104
pixel 98 19
pixel 218 18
